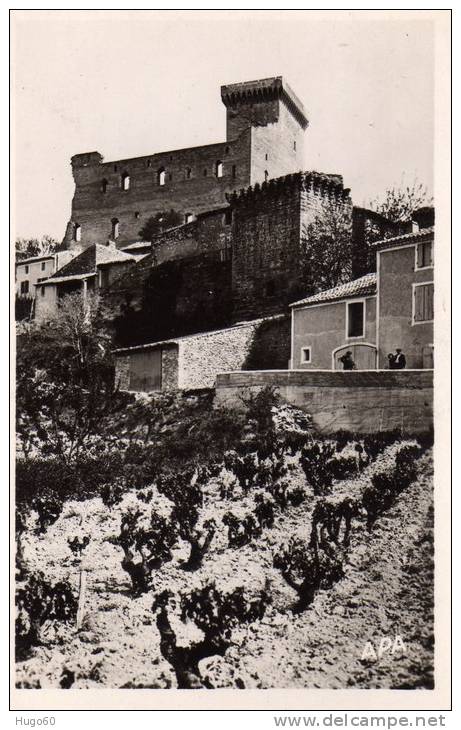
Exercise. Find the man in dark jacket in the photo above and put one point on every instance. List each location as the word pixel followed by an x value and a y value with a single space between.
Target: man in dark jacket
pixel 399 360
pixel 347 361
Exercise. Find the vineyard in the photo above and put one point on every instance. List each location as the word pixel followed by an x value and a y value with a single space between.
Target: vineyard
pixel 197 548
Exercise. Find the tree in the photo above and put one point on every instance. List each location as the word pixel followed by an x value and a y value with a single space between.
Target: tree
pixel 326 248
pixel 400 202
pixel 28 247
pixel 65 381
pixel 159 223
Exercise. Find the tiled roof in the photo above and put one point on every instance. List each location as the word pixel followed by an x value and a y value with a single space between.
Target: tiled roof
pixel 87 261
pixel 359 287
pixel 136 245
pixel 405 238
pixel 110 255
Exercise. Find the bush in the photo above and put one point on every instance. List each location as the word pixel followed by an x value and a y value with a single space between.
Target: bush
pixel 385 488
pixel 315 460
pixel 216 614
pixel 308 568
pixel 342 467
pixel 38 601
pixel 151 545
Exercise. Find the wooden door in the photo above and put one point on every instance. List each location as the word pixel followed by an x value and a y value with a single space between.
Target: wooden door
pixel 364 356
pixel 146 370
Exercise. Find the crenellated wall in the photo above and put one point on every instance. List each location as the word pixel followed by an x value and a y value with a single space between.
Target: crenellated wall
pixel 264 118
pixel 268 224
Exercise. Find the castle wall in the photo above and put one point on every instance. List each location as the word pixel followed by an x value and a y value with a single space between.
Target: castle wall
pixel 210 232
pixel 93 210
pixel 276 147
pixel 268 224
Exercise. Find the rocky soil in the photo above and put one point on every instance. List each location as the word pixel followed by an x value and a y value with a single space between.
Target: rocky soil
pixel 386 593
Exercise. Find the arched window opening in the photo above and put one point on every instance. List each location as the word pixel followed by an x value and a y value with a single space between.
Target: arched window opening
pixel 188 173
pixel 104 184
pixel 115 228
pixel 115 168
pixel 219 169
pixel 189 217
pixel 125 181
pixel 161 176
pixel 294 145
pixel 77 232
pixel 266 176
pixel 149 163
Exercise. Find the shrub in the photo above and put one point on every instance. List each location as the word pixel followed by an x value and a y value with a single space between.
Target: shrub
pixel 308 568
pixel 264 511
pixel 216 614
pixel 385 488
pixel 241 531
pixel 38 601
pixel 185 516
pixel 152 546
pixel 284 494
pixel 49 509
pixel 314 459
pixel 328 518
pixel 426 439
pixel 342 467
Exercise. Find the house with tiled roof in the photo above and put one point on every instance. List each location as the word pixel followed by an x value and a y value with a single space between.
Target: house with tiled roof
pixel 93 270
pixel 369 318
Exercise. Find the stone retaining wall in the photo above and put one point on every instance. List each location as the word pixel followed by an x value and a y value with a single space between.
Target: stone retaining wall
pixel 364 401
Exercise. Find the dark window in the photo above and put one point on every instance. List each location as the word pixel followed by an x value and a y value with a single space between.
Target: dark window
pixel 188 173
pixel 115 228
pixel 226 150
pixel 355 319
pixel 234 171
pixel 115 168
pixel 137 214
pixel 306 354
pixel 424 255
pixel 270 288
pixel 266 176
pixel 43 267
pixel 77 232
pixel 42 291
pixel 170 176
pixel 104 184
pixel 267 156
pixel 424 303
pixel 24 287
pixel 228 217
pixel 26 268
pixel 205 172
pixel 294 145
pixel 149 163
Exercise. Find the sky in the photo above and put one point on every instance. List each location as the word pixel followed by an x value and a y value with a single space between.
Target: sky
pixel 134 83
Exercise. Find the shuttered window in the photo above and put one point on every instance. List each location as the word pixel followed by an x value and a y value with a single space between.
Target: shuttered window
pixel 424 255
pixel 424 303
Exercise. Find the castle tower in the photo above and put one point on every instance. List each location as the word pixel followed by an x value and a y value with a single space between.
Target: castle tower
pixel 114 199
pixel 275 119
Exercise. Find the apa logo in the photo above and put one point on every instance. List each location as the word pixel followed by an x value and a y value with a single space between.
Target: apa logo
pixel 385 645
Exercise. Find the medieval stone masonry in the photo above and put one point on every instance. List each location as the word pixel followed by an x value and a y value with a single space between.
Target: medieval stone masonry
pixel 265 126
pixel 244 206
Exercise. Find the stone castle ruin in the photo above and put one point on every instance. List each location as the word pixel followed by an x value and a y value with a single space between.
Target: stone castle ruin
pixel 243 205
